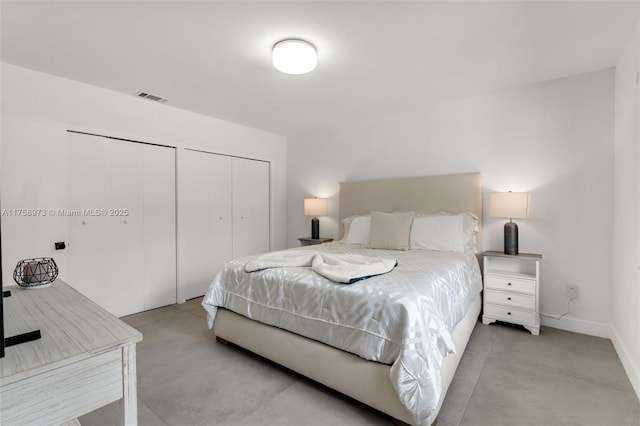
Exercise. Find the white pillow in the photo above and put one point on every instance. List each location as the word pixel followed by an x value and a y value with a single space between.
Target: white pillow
pixel 390 231
pixel 357 230
pixel 438 232
pixel 346 222
pixel 470 226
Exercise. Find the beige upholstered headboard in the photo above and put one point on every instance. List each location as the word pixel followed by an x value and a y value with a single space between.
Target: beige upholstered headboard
pixel 428 194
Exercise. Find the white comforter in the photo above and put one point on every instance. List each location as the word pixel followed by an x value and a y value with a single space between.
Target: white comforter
pixel 403 318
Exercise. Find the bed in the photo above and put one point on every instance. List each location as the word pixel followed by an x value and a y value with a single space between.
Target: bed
pixel 403 377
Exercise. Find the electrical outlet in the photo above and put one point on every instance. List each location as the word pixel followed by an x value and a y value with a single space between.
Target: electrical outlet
pixel 571 291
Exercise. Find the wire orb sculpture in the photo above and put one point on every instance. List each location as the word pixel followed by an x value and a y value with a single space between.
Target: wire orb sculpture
pixel 35 272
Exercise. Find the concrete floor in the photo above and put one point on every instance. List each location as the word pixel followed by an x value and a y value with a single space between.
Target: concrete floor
pixel 506 377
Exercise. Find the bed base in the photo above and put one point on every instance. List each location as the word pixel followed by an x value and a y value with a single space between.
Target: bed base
pixel 362 380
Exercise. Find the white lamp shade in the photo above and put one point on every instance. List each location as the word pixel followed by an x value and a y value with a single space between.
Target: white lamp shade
pixel 294 56
pixel 514 205
pixel 315 207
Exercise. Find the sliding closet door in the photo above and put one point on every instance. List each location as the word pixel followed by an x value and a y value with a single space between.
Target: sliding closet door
pixel 88 258
pixel 250 207
pixel 122 241
pixel 159 226
pixel 205 219
pixel 125 234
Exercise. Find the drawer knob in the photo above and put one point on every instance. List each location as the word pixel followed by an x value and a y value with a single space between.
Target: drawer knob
pixel 508 313
pixel 508 298
pixel 508 283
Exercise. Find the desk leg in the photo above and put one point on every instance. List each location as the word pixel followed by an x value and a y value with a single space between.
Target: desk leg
pixel 130 385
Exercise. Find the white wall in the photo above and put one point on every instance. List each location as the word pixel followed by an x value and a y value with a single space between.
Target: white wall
pixel 553 139
pixel 626 250
pixel 38 108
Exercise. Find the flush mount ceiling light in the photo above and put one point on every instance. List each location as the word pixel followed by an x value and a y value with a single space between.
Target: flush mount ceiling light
pixel 294 56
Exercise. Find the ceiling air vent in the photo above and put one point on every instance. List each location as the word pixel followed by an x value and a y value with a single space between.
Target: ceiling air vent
pixel 150 97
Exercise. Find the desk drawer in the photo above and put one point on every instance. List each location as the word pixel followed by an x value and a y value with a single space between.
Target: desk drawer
pixel 510 314
pixel 63 393
pixel 516 300
pixel 500 282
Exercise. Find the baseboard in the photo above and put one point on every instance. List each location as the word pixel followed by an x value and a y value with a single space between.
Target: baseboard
pixel 581 326
pixel 629 364
pixel 601 330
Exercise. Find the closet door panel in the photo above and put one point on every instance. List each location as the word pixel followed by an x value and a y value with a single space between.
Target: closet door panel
pixel 220 213
pixel 159 226
pixel 125 162
pixel 250 207
pixel 192 224
pixel 122 243
pixel 205 219
pixel 88 259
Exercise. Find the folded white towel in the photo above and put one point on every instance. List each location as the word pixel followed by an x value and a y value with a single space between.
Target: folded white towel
pixel 281 259
pixel 341 268
pixel 350 268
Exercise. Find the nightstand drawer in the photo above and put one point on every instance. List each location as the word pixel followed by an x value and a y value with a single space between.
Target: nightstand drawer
pixel 510 314
pixel 510 299
pixel 510 283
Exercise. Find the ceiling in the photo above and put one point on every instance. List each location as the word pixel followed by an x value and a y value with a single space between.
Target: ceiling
pixel 374 58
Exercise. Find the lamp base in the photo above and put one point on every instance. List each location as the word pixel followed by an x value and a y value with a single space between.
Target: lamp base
pixel 510 238
pixel 315 228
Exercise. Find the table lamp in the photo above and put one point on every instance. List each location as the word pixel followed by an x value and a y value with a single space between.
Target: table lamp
pixel 315 207
pixel 512 205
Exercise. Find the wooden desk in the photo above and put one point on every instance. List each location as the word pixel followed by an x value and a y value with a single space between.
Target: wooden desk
pixel 85 359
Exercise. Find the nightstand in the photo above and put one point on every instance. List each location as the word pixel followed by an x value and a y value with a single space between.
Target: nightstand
pixel 308 241
pixel 511 289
